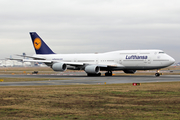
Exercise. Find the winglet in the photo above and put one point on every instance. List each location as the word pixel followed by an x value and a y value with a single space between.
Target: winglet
pixel 39 45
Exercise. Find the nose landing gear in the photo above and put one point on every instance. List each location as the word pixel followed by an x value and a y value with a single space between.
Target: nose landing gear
pixel 157 74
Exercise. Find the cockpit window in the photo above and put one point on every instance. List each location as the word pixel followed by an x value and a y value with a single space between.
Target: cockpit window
pixel 161 52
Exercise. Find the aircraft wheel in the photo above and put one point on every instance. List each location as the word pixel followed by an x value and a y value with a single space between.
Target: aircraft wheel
pixel 109 73
pixel 99 74
pixel 157 74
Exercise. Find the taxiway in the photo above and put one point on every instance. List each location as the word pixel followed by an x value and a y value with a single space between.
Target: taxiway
pixel 82 79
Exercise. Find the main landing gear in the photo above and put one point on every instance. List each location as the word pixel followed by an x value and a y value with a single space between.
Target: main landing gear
pixel 157 74
pixel 109 73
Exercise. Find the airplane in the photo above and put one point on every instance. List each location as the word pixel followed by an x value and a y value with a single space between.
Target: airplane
pixel 128 61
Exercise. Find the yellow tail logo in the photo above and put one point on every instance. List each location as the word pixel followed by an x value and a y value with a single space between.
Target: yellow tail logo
pixel 37 43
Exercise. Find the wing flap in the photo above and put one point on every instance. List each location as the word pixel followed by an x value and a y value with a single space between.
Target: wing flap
pixel 74 63
pixel 109 65
pixel 42 61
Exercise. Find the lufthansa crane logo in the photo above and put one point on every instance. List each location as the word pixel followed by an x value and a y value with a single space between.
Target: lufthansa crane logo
pixel 37 43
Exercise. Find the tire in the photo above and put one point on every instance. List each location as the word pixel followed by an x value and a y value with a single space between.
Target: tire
pixel 157 74
pixel 109 73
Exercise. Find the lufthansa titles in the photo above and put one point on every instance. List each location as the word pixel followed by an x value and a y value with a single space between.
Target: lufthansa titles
pixel 136 57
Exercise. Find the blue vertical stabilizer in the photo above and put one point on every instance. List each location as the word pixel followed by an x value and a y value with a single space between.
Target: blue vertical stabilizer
pixel 39 45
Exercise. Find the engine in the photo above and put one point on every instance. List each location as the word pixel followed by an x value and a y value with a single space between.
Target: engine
pixel 92 69
pixel 59 67
pixel 129 71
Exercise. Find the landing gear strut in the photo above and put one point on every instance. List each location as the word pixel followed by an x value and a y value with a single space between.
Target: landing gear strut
pixel 109 73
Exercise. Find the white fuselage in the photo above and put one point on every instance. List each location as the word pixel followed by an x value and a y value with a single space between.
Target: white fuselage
pixel 121 60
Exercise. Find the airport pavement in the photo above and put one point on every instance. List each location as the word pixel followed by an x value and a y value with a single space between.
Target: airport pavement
pixel 83 79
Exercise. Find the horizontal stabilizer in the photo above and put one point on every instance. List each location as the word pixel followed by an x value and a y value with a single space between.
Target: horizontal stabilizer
pixel 37 58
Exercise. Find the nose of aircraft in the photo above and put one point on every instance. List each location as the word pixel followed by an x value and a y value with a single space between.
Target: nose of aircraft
pixel 171 60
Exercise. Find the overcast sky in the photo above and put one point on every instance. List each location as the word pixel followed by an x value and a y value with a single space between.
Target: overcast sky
pixel 88 26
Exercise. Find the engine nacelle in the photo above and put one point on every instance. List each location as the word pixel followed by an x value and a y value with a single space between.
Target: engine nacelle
pixel 92 69
pixel 59 67
pixel 129 71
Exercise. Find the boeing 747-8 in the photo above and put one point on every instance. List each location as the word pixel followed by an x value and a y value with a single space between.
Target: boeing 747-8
pixel 126 60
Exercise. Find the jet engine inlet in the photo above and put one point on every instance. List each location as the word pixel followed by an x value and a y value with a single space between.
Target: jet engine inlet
pixel 92 69
pixel 59 67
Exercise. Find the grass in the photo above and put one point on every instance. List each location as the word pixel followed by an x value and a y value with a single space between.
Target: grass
pixel 102 102
pixel 29 79
pixel 121 101
pixel 26 70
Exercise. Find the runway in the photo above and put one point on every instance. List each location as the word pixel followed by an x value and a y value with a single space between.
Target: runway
pixel 84 80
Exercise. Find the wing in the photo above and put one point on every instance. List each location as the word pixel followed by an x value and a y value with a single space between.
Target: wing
pixel 105 66
pixel 51 61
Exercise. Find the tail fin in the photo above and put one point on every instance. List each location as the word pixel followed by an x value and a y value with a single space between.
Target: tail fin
pixel 39 45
